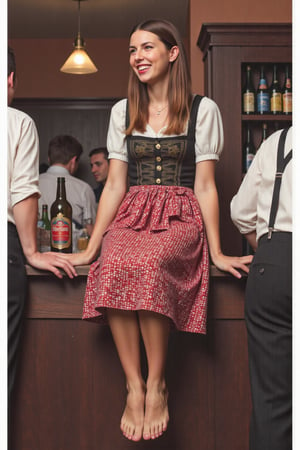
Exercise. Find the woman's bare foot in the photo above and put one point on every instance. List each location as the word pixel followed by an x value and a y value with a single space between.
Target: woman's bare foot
pixel 132 421
pixel 156 411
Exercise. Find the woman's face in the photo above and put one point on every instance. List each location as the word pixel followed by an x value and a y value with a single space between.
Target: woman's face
pixel 149 57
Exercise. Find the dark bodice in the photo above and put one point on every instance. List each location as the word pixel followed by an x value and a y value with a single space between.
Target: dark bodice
pixel 164 161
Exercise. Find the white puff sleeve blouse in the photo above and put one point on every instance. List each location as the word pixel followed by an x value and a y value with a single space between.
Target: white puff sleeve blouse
pixel 209 132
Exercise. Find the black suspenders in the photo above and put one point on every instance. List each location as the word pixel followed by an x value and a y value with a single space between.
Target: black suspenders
pixel 281 165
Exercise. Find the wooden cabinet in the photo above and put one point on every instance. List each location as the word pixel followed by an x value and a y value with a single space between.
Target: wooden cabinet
pixel 227 49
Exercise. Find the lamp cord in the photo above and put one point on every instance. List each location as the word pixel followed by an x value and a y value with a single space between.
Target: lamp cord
pixel 79 17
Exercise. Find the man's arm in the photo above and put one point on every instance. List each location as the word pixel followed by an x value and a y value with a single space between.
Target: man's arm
pixel 25 214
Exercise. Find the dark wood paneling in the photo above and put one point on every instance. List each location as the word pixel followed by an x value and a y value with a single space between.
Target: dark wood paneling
pixel 85 119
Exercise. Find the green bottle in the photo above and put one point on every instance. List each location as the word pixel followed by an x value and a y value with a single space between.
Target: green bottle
pixel 45 227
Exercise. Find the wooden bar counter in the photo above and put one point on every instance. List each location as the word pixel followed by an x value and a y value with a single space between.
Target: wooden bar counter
pixel 71 390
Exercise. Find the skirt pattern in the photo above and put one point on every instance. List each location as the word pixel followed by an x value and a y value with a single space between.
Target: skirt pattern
pixel 154 257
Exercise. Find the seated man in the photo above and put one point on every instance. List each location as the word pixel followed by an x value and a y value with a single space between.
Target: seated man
pixel 99 167
pixel 63 154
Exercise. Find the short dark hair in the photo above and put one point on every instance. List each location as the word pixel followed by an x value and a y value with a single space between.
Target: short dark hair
pixel 98 150
pixel 63 148
pixel 11 63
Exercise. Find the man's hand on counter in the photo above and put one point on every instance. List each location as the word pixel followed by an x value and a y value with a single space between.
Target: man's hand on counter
pixel 53 262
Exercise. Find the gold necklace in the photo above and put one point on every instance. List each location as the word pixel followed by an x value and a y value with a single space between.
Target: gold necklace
pixel 159 111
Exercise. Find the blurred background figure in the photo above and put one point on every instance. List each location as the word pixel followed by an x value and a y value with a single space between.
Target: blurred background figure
pixel 64 152
pixel 99 168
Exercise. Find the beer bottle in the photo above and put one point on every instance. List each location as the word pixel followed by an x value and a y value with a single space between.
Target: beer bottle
pixel 275 94
pixel 263 95
pixel 61 220
pixel 45 228
pixel 264 134
pixel 248 94
pixel 248 150
pixel 287 94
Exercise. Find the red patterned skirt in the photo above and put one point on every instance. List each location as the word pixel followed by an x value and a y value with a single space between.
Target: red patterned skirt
pixel 154 257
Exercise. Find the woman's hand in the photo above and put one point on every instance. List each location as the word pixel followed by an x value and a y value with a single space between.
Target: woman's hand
pixel 231 263
pixel 77 259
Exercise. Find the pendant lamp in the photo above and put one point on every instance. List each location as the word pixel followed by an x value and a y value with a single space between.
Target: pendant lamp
pixel 79 62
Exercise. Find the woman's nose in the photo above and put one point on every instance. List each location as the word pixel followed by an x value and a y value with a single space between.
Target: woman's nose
pixel 138 55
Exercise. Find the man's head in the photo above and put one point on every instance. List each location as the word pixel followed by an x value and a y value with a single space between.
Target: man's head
pixel 65 150
pixel 11 75
pixel 99 164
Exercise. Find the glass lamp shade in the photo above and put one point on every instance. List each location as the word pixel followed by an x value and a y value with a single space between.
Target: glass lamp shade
pixel 79 61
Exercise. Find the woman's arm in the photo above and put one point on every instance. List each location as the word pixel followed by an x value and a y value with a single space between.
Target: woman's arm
pixel 206 193
pixel 110 200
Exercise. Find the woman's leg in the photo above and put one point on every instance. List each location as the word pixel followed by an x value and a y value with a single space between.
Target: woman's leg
pixel 126 333
pixel 155 330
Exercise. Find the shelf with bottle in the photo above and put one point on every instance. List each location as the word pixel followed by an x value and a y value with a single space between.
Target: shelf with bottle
pixel 254 133
pixel 266 91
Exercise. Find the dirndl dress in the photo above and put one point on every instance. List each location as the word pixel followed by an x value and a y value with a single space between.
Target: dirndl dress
pixel 154 255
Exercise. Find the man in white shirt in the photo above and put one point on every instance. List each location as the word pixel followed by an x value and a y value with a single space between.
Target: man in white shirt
pixel 64 152
pixel 22 212
pixel 262 211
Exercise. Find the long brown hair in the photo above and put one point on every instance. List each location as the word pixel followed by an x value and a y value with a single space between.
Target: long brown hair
pixel 179 90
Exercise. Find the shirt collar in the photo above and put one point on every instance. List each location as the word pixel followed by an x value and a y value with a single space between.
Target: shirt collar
pixel 58 170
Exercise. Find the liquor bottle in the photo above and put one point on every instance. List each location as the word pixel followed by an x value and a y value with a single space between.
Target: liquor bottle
pixel 263 94
pixel 264 134
pixel 44 230
pixel 287 93
pixel 275 94
pixel 249 94
pixel 248 151
pixel 61 220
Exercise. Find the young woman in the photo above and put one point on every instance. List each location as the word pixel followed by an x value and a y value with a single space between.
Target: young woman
pixel 153 268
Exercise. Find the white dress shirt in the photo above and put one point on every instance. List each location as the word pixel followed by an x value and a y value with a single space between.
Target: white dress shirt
pixel 250 207
pixel 22 159
pixel 79 194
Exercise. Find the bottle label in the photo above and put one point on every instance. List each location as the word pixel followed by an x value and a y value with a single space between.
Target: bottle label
pixel 276 102
pixel 61 232
pixel 263 102
pixel 287 100
pixel 248 102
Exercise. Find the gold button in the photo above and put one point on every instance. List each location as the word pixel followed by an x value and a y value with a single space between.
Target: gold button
pixel 158 159
pixel 158 168
pixel 158 180
pixel 157 146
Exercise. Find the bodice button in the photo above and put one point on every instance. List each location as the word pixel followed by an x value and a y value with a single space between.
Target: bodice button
pixel 158 146
pixel 158 180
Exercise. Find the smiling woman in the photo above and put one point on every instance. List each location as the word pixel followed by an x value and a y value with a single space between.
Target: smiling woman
pixel 153 269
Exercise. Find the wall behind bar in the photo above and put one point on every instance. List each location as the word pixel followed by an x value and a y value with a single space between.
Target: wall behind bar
pixel 39 60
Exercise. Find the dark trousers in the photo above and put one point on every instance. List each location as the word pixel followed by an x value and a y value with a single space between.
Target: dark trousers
pixel 17 293
pixel 268 315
